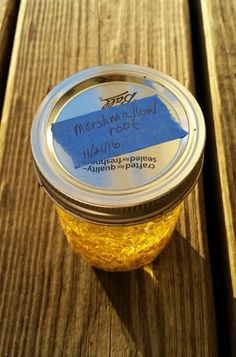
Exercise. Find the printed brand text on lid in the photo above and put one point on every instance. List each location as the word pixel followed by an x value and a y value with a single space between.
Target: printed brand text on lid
pixel 121 98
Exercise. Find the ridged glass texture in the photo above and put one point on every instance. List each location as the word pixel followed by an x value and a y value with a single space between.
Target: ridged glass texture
pixel 119 248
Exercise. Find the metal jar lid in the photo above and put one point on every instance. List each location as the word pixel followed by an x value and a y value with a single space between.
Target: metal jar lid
pixel 133 187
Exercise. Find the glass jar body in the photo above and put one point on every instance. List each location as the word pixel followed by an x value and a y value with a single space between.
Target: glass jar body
pixel 119 248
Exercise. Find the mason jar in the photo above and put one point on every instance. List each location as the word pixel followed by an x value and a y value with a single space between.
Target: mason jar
pixel 118 209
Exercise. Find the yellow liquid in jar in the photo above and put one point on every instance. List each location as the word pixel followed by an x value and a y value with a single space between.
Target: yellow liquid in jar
pixel 119 248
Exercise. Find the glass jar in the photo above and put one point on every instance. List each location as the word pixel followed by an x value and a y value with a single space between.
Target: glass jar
pixel 120 211
pixel 119 248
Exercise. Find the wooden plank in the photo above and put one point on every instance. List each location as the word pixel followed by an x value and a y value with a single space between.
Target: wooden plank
pixel 219 20
pixel 7 8
pixel 52 303
pixel 8 14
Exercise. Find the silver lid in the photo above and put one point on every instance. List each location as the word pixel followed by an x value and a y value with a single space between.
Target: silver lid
pixel 133 187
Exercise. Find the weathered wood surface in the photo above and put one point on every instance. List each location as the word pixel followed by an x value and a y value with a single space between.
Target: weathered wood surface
pixel 52 303
pixel 8 12
pixel 7 8
pixel 219 23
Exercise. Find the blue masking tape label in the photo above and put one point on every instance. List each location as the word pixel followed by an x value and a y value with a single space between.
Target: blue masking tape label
pixel 115 131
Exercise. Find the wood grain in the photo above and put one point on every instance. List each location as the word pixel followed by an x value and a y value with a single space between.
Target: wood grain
pixel 219 22
pixel 52 303
pixel 8 13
